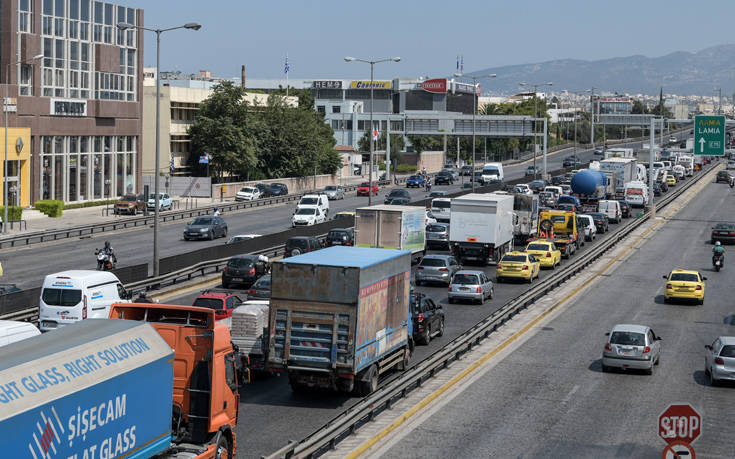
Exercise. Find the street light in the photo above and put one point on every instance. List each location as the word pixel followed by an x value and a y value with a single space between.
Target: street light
pixel 535 115
pixel 158 32
pixel 5 163
pixel 474 79
pixel 372 148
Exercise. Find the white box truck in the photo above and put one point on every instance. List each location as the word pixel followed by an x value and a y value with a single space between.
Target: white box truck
pixel 392 227
pixel 482 227
pixel 624 169
pixel 619 153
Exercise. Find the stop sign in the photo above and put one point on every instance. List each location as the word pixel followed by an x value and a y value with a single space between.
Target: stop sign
pixel 679 423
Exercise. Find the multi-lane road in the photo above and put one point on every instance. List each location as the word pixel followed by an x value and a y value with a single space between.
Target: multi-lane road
pixel 27 266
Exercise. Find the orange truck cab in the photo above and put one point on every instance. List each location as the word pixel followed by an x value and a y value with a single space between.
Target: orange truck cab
pixel 205 392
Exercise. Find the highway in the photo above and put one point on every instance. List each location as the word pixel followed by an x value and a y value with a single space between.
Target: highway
pixel 27 266
pixel 549 398
pixel 283 415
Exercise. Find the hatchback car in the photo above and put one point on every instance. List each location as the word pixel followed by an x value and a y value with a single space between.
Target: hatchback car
pixel 365 188
pixel 723 232
pixel 547 199
pixel 601 221
pixel 470 286
pixel 397 193
pixel 399 201
pixel 265 190
pixel 545 252
pixel 436 268
pixel 587 223
pixel 427 317
pixel 631 347
pixel 466 170
pixel 261 289
pixel 242 269
pixel 334 192
pixel 130 204
pixel 437 235
pixel 296 245
pixel 308 216
pixel 278 189
pixel 206 228
pixel 624 208
pixel 538 186
pixel 518 265
pixel 684 284
pixel 522 188
pixel 223 303
pixel 722 176
pixel 164 201
pixel 340 236
pixel 415 181
pixel 247 193
pixel 731 165
pixel 671 180
pixel 444 178
pixel 719 360
pixel 530 171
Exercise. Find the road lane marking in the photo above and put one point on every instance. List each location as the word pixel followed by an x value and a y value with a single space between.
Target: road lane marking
pixel 571 392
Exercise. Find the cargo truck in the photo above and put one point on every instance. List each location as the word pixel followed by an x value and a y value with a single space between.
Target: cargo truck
pixel 107 388
pixel 482 227
pixel 619 153
pixel 560 227
pixel 339 318
pixel 623 168
pixel 525 208
pixel 392 227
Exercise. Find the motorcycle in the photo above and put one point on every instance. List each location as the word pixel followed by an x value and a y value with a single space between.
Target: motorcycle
pixel 104 261
pixel 717 261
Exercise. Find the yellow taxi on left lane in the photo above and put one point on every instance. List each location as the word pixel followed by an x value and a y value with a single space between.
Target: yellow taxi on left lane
pixel 545 252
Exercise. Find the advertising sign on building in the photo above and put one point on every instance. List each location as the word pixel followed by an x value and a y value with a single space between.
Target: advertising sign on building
pixel 437 85
pixel 327 84
pixel 375 85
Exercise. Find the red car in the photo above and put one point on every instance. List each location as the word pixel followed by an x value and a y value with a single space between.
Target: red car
pixel 223 303
pixel 364 187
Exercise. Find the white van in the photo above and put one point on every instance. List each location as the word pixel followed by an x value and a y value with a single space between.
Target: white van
pixel 611 209
pixel 320 201
pixel 15 330
pixel 636 194
pixel 492 172
pixel 71 296
pixel 440 209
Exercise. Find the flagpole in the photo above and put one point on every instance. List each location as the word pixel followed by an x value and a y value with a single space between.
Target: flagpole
pixel 287 75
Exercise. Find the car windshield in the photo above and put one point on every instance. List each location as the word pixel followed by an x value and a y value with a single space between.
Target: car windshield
pixel 435 228
pixel 211 303
pixel 129 197
pixel 684 277
pixel 247 189
pixel 263 282
pixel 441 204
pixel 545 194
pixel 492 170
pixel 558 218
pixel 723 226
pixel 364 185
pixel 341 216
pixel 566 200
pixel 61 297
pixel 537 247
pixel 330 188
pixel 465 279
pixel 414 177
pixel 344 235
pixel 395 193
pixel 297 243
pixel 203 221
pixel 537 183
pixel 309 201
pixel 514 258
pixel 628 338
pixel 306 212
pixel 240 263
pixel 153 196
pixel 433 262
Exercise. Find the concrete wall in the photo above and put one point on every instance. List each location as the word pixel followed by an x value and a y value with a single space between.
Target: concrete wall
pixel 298 184
pixel 433 161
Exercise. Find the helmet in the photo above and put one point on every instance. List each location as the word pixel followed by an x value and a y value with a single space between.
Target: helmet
pixel 717 243
pixel 107 244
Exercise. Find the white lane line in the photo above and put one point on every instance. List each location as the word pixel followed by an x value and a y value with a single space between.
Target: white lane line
pixel 570 394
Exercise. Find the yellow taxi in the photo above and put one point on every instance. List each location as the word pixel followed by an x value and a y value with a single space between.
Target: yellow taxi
pixel 670 179
pixel 684 284
pixel 545 252
pixel 518 265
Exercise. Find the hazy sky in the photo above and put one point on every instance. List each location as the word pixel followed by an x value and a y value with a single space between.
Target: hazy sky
pixel 427 35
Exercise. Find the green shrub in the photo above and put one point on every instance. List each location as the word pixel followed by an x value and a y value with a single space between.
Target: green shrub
pixel 81 205
pixel 50 207
pixel 405 168
pixel 14 212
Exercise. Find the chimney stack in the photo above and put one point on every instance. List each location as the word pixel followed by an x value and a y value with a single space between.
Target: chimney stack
pixel 242 77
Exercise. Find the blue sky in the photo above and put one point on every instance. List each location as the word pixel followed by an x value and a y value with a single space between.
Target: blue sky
pixel 427 35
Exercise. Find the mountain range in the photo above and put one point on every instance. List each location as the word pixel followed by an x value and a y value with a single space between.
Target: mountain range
pixel 681 73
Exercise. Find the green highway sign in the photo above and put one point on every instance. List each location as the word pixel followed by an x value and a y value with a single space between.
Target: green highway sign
pixel 709 135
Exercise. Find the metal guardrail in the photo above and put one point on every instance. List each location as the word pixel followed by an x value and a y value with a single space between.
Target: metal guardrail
pixel 350 420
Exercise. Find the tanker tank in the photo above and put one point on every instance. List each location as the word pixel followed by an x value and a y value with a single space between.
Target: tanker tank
pixel 588 182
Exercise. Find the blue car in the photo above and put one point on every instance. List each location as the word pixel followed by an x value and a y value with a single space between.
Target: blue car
pixel 416 181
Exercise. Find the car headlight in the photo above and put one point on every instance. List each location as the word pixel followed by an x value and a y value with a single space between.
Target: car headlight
pixel 204 230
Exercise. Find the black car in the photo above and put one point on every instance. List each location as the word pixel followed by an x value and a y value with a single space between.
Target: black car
pixel 261 289
pixel 657 188
pixel 278 189
pixel 723 232
pixel 243 269
pixel 624 208
pixel 466 170
pixel 296 245
pixel 538 186
pixel 205 228
pixel 265 190
pixel 478 178
pixel 557 180
pixel 398 201
pixel 427 317
pixel 723 176
pixel 397 193
pixel 340 236
pixel 571 161
pixel 600 221
pixel 444 178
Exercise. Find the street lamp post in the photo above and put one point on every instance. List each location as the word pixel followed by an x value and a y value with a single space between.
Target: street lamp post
pixel 5 163
pixel 372 147
pixel 535 115
pixel 474 110
pixel 156 187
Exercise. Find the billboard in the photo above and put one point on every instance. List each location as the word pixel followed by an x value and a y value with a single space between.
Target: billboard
pixel 367 85
pixel 437 85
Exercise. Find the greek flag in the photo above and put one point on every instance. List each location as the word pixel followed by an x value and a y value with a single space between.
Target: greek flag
pixel 171 166
pixel 286 67
pixel 458 62
pixel 461 65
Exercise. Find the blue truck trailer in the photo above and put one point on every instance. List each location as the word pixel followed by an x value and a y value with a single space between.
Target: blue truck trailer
pixel 339 317
pixel 93 389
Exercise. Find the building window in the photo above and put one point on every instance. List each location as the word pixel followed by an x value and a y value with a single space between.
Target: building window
pixel 25 16
pixel 336 108
pixel 320 109
pixel 26 80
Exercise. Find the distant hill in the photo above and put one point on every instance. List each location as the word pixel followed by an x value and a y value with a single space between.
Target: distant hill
pixel 682 73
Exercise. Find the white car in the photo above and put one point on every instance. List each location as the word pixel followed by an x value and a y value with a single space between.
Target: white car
pixel 429 217
pixel 590 230
pixel 523 188
pixel 247 193
pixel 308 216
pixel 719 360
pixel 320 201
pixel 441 208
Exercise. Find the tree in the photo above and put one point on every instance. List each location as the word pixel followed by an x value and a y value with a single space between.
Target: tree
pixel 423 143
pixel 638 108
pixel 397 144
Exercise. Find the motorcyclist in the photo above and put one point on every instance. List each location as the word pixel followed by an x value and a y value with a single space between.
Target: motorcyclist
pixel 143 298
pixel 216 212
pixel 428 184
pixel 718 250
pixel 109 251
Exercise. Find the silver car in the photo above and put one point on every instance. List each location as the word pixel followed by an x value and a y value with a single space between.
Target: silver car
pixel 436 268
pixel 470 286
pixel 437 235
pixel 334 192
pixel 633 347
pixel 719 360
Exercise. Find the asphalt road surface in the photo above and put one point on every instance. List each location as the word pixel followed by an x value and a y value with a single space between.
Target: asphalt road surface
pixel 550 398
pixel 27 266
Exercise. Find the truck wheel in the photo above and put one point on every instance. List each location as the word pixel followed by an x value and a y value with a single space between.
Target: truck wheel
pixel 403 366
pixel 371 385
pixel 223 448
